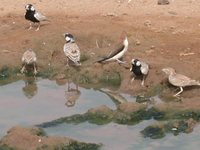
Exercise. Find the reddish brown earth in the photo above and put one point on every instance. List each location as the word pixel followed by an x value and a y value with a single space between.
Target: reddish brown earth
pixel 163 36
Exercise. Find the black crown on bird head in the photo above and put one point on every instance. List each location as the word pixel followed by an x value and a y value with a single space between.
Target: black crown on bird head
pixel 29 7
pixel 69 37
pixel 135 62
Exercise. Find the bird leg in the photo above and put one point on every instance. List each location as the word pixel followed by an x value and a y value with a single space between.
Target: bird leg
pixel 23 68
pixel 67 65
pixel 143 78
pixel 38 28
pixel 178 94
pixel 30 26
pixel 121 62
pixel 35 70
pixel 132 79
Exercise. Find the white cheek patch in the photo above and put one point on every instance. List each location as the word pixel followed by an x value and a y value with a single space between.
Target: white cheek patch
pixel 67 39
pixel 32 8
pixel 138 63
pixel 132 61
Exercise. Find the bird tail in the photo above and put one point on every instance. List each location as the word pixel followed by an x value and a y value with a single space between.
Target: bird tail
pixel 102 60
pixel 194 82
pixel 47 19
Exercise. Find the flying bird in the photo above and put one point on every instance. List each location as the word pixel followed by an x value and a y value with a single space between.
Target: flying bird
pixel 119 52
pixel 34 16
pixel 29 59
pixel 179 80
pixel 140 69
pixel 71 50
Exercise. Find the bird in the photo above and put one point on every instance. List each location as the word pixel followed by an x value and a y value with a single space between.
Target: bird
pixel 71 50
pixel 179 80
pixel 29 58
pixel 140 69
pixel 34 16
pixel 119 52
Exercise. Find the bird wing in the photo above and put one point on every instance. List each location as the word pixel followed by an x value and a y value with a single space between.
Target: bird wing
pixel 179 80
pixel 39 16
pixel 29 57
pixel 112 53
pixel 144 68
pixel 72 51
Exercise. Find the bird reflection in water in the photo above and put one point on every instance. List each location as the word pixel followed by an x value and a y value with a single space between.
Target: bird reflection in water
pixel 30 88
pixel 72 94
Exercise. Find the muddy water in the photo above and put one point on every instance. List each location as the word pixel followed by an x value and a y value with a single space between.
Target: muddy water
pixel 123 137
pixel 33 101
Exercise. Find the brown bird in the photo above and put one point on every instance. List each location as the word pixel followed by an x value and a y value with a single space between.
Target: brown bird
pixel 179 80
pixel 71 50
pixel 29 58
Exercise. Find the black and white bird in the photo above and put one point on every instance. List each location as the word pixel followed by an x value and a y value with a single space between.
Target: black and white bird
pixel 34 16
pixel 29 58
pixel 71 50
pixel 140 69
pixel 119 52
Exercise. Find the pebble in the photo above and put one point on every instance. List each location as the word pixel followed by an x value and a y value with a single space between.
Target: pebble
pixel 152 47
pixel 163 2
pixel 137 42
pixel 147 23
pixel 5 51
pixel 174 129
pixel 172 12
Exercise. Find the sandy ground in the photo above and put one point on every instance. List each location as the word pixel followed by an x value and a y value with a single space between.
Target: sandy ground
pixel 163 36
pixel 160 35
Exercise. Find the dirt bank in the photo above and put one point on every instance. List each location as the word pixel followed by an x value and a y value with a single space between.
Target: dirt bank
pixel 160 35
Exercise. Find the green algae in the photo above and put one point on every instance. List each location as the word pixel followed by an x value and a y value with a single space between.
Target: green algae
pixel 6 147
pixel 8 75
pixel 101 117
pixel 78 146
pixel 153 132
pixel 155 90
pixel 110 78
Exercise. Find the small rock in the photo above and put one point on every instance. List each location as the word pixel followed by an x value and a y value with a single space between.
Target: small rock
pixel 163 2
pixel 152 47
pixel 147 23
pixel 142 99
pixel 172 12
pixel 5 51
pixel 60 76
pixel 174 129
pixel 137 42
pixel 111 14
